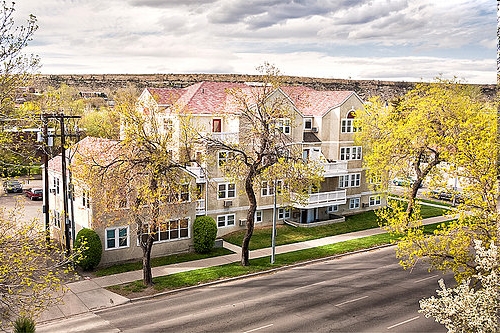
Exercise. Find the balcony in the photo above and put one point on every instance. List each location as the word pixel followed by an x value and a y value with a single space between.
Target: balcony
pixel 333 169
pixel 321 199
pixel 226 137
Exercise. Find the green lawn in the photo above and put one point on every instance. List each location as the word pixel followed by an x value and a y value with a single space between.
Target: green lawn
pixel 261 237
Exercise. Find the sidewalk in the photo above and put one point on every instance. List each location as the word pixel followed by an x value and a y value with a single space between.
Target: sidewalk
pixel 90 295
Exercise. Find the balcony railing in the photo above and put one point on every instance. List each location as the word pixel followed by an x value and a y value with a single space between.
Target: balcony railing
pixel 226 137
pixel 335 168
pixel 321 199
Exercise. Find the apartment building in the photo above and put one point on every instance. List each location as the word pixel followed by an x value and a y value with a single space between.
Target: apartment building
pixel 322 124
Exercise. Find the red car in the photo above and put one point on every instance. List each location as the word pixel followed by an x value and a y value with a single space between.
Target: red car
pixel 34 193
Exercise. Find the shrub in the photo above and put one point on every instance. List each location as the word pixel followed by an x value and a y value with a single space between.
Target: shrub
pixel 92 250
pixel 204 234
pixel 24 325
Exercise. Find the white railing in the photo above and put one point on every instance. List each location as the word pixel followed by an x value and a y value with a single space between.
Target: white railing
pixel 321 199
pixel 335 168
pixel 226 137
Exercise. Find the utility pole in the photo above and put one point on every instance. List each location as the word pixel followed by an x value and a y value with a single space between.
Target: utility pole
pixel 63 135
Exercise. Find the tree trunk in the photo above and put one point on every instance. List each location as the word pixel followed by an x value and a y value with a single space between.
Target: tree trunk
pixel 147 275
pixel 245 254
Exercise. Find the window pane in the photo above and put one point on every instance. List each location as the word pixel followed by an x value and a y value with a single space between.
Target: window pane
pixel 221 221
pixel 230 220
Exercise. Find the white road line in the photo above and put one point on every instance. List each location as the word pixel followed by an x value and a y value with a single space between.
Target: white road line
pixel 403 322
pixel 259 328
pixel 309 285
pixel 352 300
pixel 427 278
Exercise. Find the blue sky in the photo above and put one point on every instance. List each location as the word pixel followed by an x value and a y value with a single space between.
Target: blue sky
pixel 398 40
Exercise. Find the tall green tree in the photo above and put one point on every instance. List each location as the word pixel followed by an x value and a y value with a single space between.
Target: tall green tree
pixel 436 131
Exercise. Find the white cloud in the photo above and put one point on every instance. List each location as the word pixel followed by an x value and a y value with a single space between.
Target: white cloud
pixel 372 39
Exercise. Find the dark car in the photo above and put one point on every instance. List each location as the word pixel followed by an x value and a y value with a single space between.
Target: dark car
pixel 12 186
pixel 34 194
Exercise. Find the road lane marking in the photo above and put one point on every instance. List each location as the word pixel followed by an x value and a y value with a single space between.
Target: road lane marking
pixel 259 328
pixel 427 278
pixel 309 285
pixel 352 300
pixel 403 322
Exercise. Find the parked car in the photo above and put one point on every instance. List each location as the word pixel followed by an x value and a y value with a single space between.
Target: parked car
pixel 12 186
pixel 404 182
pixel 34 193
pixel 444 194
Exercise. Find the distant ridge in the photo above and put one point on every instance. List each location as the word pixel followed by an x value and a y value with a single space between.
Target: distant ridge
pixel 111 82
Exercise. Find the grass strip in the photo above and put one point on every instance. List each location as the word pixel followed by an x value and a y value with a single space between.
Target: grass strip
pixel 160 261
pixel 209 274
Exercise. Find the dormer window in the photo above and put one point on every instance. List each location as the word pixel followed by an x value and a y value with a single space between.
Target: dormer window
pixel 348 125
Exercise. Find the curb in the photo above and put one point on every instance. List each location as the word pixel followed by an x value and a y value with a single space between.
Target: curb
pixel 269 271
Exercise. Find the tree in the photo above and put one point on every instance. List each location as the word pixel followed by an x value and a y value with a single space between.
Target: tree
pixel 264 152
pixel 136 179
pixel 17 68
pixel 472 306
pixel 437 130
pixel 31 273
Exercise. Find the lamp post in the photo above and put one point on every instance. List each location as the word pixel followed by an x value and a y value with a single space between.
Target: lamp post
pixel 273 236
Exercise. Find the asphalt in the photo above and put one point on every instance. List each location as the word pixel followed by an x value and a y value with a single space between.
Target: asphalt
pixel 89 295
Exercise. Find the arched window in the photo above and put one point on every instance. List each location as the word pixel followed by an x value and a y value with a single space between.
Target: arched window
pixel 348 123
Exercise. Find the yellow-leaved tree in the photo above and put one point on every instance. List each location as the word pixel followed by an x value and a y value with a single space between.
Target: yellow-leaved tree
pixel 32 272
pixel 437 131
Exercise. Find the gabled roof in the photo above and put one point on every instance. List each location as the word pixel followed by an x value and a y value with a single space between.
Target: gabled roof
pixel 99 148
pixel 199 98
pixel 212 97
pixel 313 102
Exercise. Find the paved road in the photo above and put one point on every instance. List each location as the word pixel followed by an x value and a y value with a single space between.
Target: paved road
pixel 366 292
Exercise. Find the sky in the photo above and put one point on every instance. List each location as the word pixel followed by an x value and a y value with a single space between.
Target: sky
pixel 395 40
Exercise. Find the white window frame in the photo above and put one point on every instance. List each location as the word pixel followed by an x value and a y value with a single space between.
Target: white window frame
pixel 284 213
pixel 165 229
pixel 267 189
pixel 375 200
pixel 57 219
pixel 284 125
pixel 258 216
pixel 354 203
pixel 333 209
pixel 117 238
pixel 86 199
pixel 351 153
pixel 223 156
pixel 350 180
pixel 228 192
pixel 56 184
pixel 226 220
pixel 308 123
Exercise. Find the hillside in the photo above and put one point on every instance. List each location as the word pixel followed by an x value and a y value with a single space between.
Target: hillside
pixel 111 82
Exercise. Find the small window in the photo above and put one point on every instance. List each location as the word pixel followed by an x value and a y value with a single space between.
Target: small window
pixel 225 220
pixel 375 200
pixel 258 216
pixel 308 123
pixel 354 203
pixel 117 238
pixel 284 125
pixel 283 213
pixel 217 125
pixel 226 190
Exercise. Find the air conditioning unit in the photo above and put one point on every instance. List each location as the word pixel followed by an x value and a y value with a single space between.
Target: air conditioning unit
pixel 228 203
pixel 243 222
pixel 364 205
pixel 314 129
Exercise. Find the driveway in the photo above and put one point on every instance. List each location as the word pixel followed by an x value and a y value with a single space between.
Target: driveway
pixel 32 209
